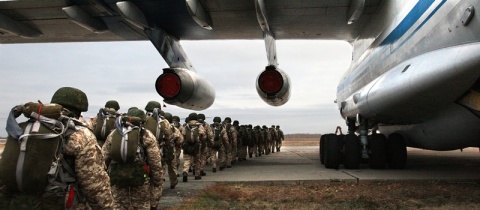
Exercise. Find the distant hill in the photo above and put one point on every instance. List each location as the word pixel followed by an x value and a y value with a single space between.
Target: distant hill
pixel 303 135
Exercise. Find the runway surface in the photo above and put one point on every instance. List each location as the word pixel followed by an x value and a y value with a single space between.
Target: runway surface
pixel 296 164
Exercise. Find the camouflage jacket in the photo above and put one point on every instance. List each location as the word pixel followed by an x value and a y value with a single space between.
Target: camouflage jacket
pixel 151 150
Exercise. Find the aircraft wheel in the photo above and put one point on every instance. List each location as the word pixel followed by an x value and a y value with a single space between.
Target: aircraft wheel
pixel 352 153
pixel 397 151
pixel 332 151
pixel 322 148
pixel 378 151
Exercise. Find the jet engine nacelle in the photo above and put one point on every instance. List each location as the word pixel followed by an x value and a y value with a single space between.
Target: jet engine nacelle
pixel 185 88
pixel 273 86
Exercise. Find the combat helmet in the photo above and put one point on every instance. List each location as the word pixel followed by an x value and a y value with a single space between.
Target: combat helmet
pixel 135 112
pixel 176 118
pixel 235 122
pixel 168 116
pixel 152 105
pixel 200 117
pixel 192 116
pixel 228 119
pixel 217 119
pixel 112 104
pixel 71 98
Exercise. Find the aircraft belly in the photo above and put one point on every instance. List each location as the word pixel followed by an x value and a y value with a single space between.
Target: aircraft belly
pixel 419 88
pixel 454 128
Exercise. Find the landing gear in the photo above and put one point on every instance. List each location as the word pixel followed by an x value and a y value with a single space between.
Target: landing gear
pixel 351 150
pixel 332 156
pixel 397 151
pixel 378 151
pixel 351 154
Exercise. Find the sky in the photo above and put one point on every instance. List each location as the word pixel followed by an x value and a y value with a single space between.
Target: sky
pixel 126 72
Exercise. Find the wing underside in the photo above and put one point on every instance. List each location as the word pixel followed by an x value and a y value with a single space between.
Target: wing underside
pixel 232 19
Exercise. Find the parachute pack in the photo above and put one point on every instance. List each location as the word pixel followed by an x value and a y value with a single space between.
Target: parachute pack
pixel 154 124
pixel 190 146
pixel 128 166
pixel 105 123
pixel 217 139
pixel 33 160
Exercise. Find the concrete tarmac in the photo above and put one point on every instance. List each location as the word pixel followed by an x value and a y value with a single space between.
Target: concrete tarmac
pixel 297 164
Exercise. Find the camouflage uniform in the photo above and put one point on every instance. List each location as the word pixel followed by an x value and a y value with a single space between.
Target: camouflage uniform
pixel 232 142
pixel 206 145
pixel 193 159
pixel 252 140
pixel 83 158
pixel 93 181
pixel 243 143
pixel 178 141
pixel 260 142
pixel 223 151
pixel 280 138
pixel 139 197
pixel 273 140
pixel 178 145
pixel 222 135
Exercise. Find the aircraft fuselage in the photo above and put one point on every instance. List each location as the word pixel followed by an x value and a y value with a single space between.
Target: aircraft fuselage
pixel 413 72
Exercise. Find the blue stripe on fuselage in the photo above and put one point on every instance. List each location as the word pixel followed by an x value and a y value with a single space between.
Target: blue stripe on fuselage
pixel 417 11
pixel 413 15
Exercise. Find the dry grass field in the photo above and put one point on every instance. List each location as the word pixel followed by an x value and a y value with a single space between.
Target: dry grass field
pixel 301 142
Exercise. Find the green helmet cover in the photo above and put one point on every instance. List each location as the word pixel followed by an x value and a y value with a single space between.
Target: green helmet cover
pixel 112 104
pixel 135 112
pixel 200 117
pixel 176 118
pixel 217 119
pixel 192 116
pixel 151 105
pixel 72 98
pixel 168 116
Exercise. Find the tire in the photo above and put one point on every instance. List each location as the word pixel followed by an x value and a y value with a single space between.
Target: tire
pixel 397 151
pixel 322 149
pixel 332 152
pixel 378 151
pixel 352 153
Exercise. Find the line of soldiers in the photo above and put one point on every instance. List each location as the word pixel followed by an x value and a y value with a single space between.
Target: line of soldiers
pixel 220 144
pixel 118 161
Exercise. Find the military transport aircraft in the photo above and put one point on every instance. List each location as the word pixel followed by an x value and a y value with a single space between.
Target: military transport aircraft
pixel 413 80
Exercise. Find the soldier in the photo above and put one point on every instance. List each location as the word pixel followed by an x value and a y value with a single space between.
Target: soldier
pixel 261 141
pixel 267 138
pixel 280 138
pixel 179 142
pixel 168 153
pixel 193 135
pixel 103 123
pixel 133 170
pixel 219 136
pixel 206 145
pixel 244 141
pixel 232 140
pixel 160 128
pixel 251 140
pixel 84 167
pixel 273 140
pixel 236 148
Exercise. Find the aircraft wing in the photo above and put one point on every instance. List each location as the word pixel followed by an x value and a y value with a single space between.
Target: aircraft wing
pixel 37 21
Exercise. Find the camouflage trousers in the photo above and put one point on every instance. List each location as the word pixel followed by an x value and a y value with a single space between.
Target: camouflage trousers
pixel 191 160
pixel 273 146
pixel 242 153
pixel 176 161
pixel 222 157
pixel 261 149
pixel 171 167
pixel 232 153
pixel 252 150
pixel 213 157
pixel 203 156
pixel 132 197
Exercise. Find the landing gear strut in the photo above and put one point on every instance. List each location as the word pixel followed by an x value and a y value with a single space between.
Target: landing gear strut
pixel 351 150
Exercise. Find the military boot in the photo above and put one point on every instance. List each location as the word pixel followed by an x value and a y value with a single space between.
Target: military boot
pixel 185 177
